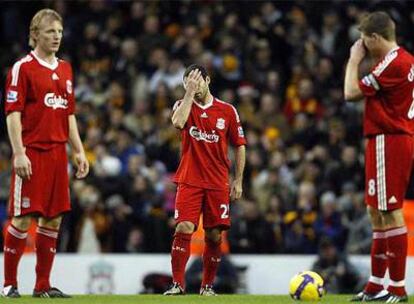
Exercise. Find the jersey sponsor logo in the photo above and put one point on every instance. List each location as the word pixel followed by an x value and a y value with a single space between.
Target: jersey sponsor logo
pixel 411 74
pixel 241 132
pixel 55 76
pixel 11 96
pixel 55 101
pixel 204 136
pixel 384 63
pixel 69 86
pixel 221 123
pixel 204 115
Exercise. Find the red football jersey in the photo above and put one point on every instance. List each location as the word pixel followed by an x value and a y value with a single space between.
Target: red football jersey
pixel 204 147
pixel 43 93
pixel 389 92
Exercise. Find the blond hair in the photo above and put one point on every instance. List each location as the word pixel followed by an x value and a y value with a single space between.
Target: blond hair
pixel 34 24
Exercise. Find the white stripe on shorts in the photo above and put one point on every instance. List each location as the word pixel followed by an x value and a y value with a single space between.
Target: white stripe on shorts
pixel 17 195
pixel 381 179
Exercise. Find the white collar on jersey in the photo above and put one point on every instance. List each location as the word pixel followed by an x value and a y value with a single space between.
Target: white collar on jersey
pixel 207 105
pixel 393 50
pixel 44 63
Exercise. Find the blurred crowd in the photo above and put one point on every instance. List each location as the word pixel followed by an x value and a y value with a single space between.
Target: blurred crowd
pixel 280 63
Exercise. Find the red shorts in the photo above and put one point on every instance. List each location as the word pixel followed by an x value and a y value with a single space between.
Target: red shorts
pixel 191 201
pixel 47 191
pixel 388 164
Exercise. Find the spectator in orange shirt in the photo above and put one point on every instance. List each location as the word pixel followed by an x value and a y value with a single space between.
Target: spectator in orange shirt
pixel 304 102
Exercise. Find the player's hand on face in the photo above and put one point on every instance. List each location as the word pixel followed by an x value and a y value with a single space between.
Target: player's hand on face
pixel 236 190
pixel 192 81
pixel 358 51
pixel 82 165
pixel 22 165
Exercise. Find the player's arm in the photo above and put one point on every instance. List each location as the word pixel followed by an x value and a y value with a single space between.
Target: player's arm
pixel 352 91
pixel 181 113
pixel 237 185
pixel 80 159
pixel 21 162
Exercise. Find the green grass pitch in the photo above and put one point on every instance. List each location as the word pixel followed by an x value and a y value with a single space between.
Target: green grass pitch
pixel 188 299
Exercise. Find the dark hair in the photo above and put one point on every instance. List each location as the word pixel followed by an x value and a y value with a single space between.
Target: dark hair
pixel 202 69
pixel 379 23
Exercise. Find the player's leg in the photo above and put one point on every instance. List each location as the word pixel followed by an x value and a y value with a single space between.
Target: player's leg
pixel 53 165
pixel 397 242
pixel 216 218
pixel 379 259
pixel 374 170
pixel 46 240
pixel 399 150
pixel 23 204
pixel 180 253
pixel 211 259
pixel 187 211
pixel 14 245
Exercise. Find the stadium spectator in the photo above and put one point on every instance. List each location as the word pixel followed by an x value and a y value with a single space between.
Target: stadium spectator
pixel 339 275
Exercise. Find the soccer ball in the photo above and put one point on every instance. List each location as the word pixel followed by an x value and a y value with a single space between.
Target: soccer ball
pixel 306 286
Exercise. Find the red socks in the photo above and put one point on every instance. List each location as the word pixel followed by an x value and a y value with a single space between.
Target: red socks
pixel 379 262
pixel 389 249
pixel 180 252
pixel 397 257
pixel 211 261
pixel 14 245
pixel 46 239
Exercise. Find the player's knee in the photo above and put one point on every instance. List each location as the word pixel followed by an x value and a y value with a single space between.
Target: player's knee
pixel 376 218
pixel 52 223
pixel 393 219
pixel 185 227
pixel 213 235
pixel 22 222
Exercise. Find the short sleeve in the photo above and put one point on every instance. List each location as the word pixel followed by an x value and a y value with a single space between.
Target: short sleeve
pixel 16 88
pixel 383 77
pixel 236 132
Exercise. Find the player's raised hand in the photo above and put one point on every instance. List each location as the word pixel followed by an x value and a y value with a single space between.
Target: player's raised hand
pixel 22 165
pixel 82 165
pixel 358 51
pixel 236 190
pixel 192 81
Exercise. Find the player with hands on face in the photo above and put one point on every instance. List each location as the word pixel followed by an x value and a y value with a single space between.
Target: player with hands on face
pixel 207 125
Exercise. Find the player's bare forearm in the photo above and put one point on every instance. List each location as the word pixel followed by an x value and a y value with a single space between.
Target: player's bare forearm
pixel 182 112
pixel 352 92
pixel 240 162
pixel 237 185
pixel 14 129
pixel 74 137
pixel 81 162
pixel 21 163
